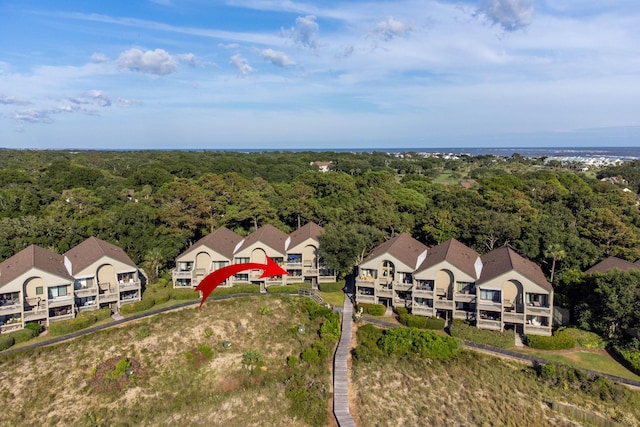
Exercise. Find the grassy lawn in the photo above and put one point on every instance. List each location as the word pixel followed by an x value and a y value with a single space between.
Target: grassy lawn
pixel 599 362
pixel 333 298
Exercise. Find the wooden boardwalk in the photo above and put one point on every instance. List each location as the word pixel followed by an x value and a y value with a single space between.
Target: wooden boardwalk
pixel 340 372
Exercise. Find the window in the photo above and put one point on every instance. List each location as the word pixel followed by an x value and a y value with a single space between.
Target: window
pixel 241 260
pixel 217 265
pixel 490 295
pixel 185 266
pixel 57 291
pixel 425 285
pixel 39 290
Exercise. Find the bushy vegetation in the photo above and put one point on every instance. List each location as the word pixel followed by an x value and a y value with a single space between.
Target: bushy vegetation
pixel 420 322
pixel 466 331
pixel 308 396
pixel 144 304
pixel 372 309
pixel 560 340
pixel 63 327
pixel 630 354
pixel 22 335
pixel 374 342
pixel 6 341
pixel 585 339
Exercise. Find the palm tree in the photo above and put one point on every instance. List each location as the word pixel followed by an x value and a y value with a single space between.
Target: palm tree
pixel 556 253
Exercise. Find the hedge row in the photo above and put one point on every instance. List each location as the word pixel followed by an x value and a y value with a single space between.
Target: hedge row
pixel 560 340
pixel 6 341
pixel 145 303
pixel 466 331
pixel 420 322
pixel 585 339
pixel 63 327
pixel 372 309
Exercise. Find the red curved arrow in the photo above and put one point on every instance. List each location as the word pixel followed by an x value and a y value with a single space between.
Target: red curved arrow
pixel 209 283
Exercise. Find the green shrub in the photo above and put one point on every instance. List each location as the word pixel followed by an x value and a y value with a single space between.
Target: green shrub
pixel 308 396
pixel 292 361
pixel 265 310
pixel 143 332
pixel 465 331
pixel 122 367
pixel 421 322
pixel 372 309
pixel 401 311
pixel 6 341
pixel 184 294
pixel 405 341
pixel 330 329
pixel 206 351
pixel 22 335
pixel 161 296
pixel 310 356
pixel 315 310
pixel 630 357
pixel 64 327
pixel 560 340
pixel 331 287
pixel 367 349
pixel 35 327
pixel 102 313
pixel 585 339
pixel 145 304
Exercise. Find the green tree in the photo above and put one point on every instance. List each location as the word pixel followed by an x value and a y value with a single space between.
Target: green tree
pixel 343 246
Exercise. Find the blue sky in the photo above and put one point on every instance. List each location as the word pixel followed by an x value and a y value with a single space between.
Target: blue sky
pixel 286 74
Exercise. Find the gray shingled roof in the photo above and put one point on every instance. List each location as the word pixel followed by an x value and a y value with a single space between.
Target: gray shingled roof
pixel 33 257
pixel 91 250
pixel 612 263
pixel 403 247
pixel 309 230
pixel 267 235
pixel 455 253
pixel 505 259
pixel 223 241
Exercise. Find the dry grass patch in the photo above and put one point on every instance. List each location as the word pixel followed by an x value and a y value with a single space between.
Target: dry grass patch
pixel 57 385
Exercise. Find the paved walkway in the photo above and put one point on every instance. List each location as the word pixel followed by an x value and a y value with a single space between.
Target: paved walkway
pixel 340 372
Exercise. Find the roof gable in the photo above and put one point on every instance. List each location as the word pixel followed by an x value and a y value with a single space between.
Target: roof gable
pixel 504 260
pixel 455 253
pixel 403 247
pixel 222 240
pixel 310 230
pixel 267 235
pixel 613 263
pixel 33 257
pixel 91 250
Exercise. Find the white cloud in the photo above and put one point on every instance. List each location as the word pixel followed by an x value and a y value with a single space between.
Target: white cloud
pixel 244 69
pixel 511 15
pixel 392 28
pixel 279 59
pixel 12 100
pixel 158 61
pixel 229 45
pixel 99 58
pixel 188 58
pixel 93 97
pixel 306 31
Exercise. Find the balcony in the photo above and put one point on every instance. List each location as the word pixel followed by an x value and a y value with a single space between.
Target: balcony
pixel 513 317
pixel 464 315
pixel 484 304
pixel 538 311
pixel 537 330
pixel 182 274
pixel 85 292
pixel 421 310
pixel 384 292
pixel 11 327
pixel 10 307
pixel 401 302
pixel 464 297
pixel 493 325
pixel 65 316
pixel 108 296
pixel 326 279
pixel 35 314
pixel 443 304
pixel 60 301
pixel 131 284
pixel 402 286
pixel 423 293
pixel 365 298
pixel 310 271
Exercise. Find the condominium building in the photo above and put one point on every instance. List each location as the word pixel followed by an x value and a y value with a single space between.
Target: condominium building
pixel 297 253
pixel 38 285
pixel 498 290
